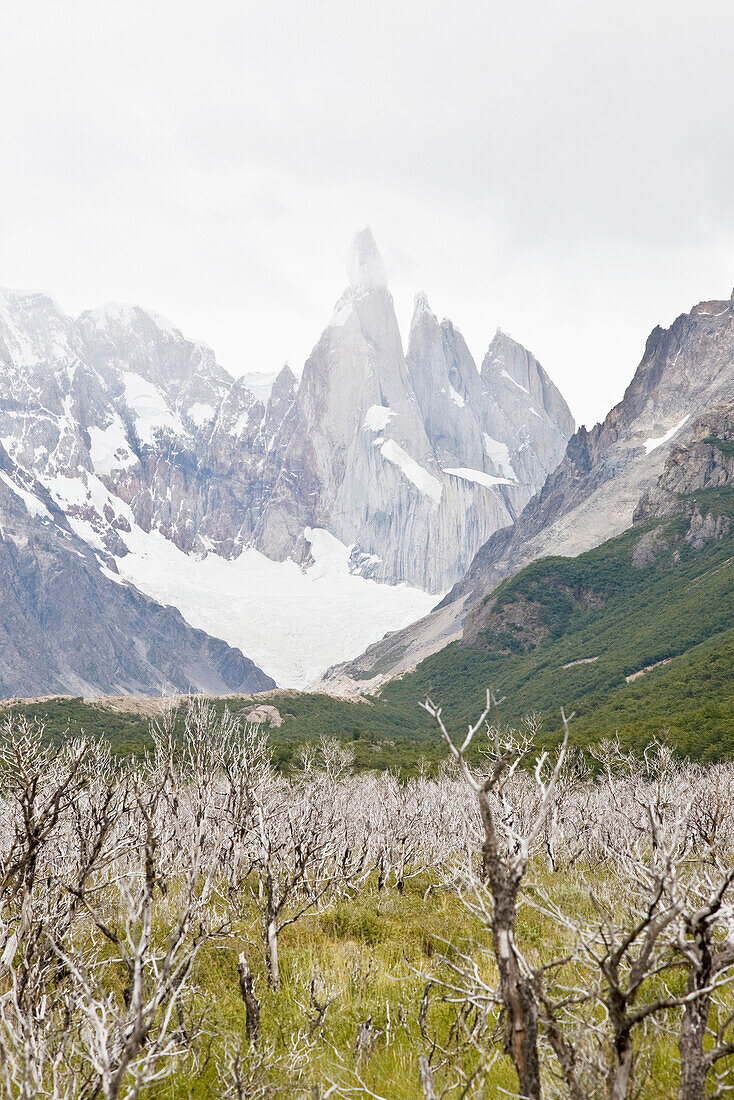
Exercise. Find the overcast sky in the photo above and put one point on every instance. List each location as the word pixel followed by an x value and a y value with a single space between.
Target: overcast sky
pixel 564 170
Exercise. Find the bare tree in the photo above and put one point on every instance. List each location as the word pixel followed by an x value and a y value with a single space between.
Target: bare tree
pixel 289 845
pixel 706 944
pixel 38 784
pixel 640 817
pixel 165 867
pixel 505 856
pixel 113 876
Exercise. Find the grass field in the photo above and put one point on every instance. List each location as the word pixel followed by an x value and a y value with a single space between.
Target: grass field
pixel 381 958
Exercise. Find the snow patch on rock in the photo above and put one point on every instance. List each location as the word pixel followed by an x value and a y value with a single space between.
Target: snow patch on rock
pixel 477 476
pixel 33 505
pixel 426 483
pixel 109 448
pixel 500 455
pixel 377 418
pixel 651 444
pixel 508 376
pixel 201 414
pixel 152 414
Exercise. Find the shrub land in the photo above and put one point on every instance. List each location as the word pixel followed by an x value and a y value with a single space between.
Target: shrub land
pixel 193 922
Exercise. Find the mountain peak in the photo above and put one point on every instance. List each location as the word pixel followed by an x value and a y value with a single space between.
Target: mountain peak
pixel 285 381
pixel 502 338
pixel 128 316
pixel 285 374
pixel 420 305
pixel 366 269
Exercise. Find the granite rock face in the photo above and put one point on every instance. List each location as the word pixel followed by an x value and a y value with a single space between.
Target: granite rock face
pixel 704 461
pixel 686 372
pixel 411 461
pixel 126 428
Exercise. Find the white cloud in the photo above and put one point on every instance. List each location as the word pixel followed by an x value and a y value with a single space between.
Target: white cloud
pixel 560 169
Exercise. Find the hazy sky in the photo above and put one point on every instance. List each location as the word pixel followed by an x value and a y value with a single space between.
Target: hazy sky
pixel 564 170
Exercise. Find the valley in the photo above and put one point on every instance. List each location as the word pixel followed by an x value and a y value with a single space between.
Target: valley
pixel 563 632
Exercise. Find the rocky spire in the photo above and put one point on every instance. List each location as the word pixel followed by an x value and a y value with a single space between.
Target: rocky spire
pixel 420 306
pixel 516 379
pixel 366 269
pixel 285 383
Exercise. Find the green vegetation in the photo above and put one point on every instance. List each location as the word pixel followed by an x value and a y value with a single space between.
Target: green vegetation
pixel 369 958
pixel 379 957
pixel 600 620
pixel 617 621
pixel 725 446
pixel 235 934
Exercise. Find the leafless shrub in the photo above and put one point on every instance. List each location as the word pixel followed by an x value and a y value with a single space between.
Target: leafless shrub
pixel 114 877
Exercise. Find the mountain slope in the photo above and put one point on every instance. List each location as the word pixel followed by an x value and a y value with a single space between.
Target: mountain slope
pixel 70 625
pixel 593 492
pixel 636 628
pixel 636 636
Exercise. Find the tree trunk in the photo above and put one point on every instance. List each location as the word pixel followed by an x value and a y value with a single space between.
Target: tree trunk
pixel 693 1062
pixel 426 1078
pixel 271 944
pixel 620 1074
pixel 252 1008
pixel 518 998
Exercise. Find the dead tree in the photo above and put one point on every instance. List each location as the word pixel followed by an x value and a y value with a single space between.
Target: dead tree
pixel 628 944
pixel 164 873
pixel 505 855
pixel 38 784
pixel 707 950
pixel 288 846
pixel 247 989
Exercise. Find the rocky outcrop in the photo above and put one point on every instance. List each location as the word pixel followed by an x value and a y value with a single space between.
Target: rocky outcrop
pixel 686 371
pixel 265 714
pixel 696 476
pixel 704 462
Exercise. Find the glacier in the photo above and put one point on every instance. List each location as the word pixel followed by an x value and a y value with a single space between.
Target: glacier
pixel 293 621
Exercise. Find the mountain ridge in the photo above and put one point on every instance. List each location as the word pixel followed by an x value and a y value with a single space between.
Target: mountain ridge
pixel 592 493
pixel 68 624
pixel 635 636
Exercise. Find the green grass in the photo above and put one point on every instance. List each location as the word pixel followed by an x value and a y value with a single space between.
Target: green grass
pixel 373 956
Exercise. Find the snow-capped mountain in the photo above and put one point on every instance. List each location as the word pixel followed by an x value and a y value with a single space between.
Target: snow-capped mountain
pixel 68 624
pixel 299 528
pixel 411 460
pixel 686 371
